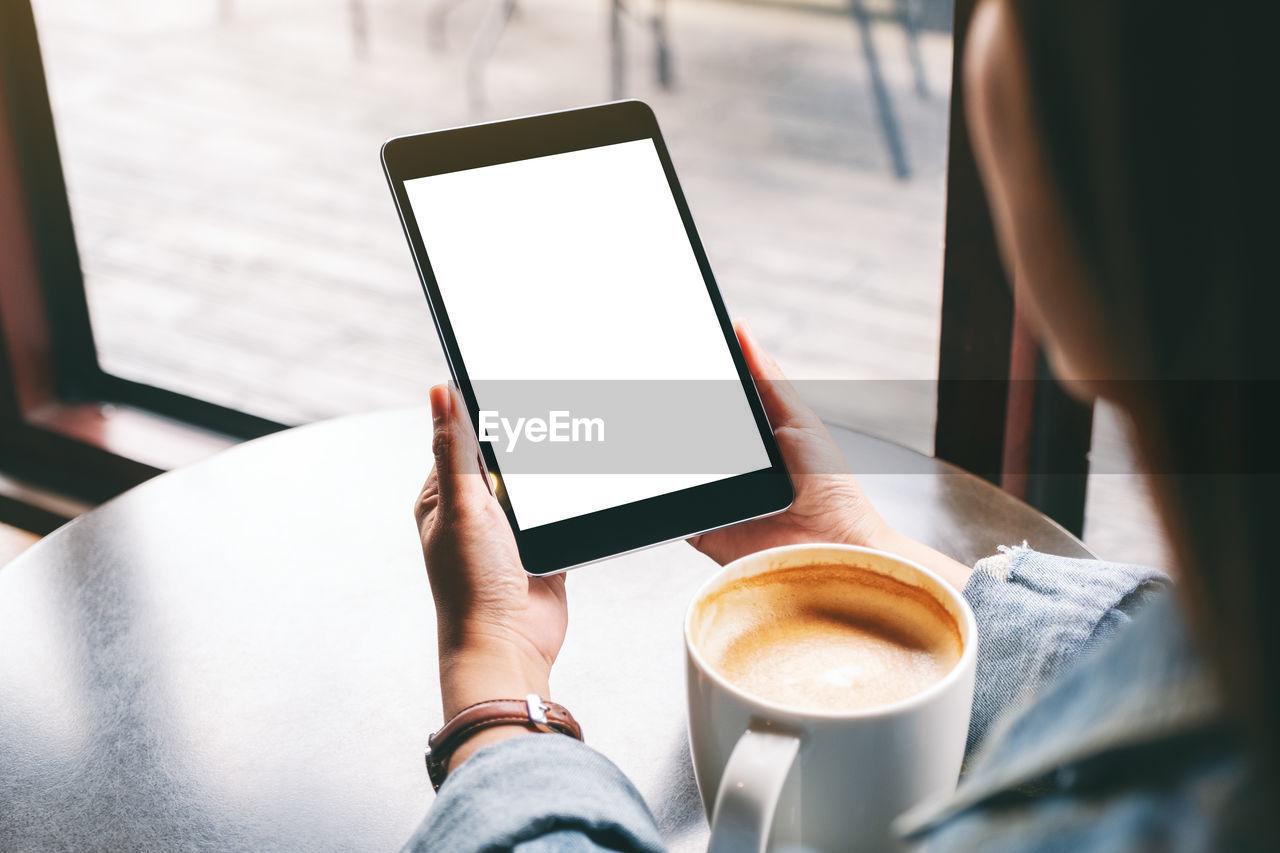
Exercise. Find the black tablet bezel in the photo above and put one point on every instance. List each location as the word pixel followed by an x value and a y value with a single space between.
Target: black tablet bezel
pixel 554 547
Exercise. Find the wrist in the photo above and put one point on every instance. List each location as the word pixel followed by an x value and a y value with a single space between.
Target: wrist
pixel 483 738
pixel 868 530
pixel 488 722
pixel 886 538
pixel 481 669
pixel 954 573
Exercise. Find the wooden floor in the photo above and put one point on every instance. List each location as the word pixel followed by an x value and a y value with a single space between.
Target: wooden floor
pixel 240 244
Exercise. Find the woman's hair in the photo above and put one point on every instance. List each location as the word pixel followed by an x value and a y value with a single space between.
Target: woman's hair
pixel 1156 120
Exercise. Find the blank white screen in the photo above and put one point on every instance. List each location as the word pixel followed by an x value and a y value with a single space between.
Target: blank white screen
pixel 577 266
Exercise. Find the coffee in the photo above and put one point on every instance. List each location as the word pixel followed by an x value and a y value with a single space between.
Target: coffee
pixel 827 637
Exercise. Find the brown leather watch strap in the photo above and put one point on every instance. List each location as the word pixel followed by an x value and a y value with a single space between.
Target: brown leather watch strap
pixel 531 711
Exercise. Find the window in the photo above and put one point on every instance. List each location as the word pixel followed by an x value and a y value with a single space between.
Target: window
pixel 239 244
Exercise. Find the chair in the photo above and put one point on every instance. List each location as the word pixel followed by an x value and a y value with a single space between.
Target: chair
pixel 905 12
pixel 500 12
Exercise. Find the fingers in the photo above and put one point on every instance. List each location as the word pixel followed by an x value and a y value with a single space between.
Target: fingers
pixel 457 471
pixel 782 403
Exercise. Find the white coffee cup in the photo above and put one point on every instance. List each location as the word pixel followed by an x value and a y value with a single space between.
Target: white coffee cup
pixel 774 776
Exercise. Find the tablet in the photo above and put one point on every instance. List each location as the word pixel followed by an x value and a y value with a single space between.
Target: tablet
pixel 585 332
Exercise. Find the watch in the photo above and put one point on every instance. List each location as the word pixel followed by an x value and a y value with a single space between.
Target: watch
pixel 532 712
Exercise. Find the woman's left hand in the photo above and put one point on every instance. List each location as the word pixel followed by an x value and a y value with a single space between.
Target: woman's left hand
pixel 499 629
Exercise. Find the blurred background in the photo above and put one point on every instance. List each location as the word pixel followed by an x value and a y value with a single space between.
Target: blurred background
pixel 239 244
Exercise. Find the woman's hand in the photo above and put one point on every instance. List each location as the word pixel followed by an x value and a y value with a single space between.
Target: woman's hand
pixel 499 630
pixel 829 505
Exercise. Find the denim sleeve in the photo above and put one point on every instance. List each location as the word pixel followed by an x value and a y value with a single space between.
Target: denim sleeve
pixel 1037 614
pixel 537 794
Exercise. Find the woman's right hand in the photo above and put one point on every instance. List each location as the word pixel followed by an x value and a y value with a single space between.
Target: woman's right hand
pixel 829 504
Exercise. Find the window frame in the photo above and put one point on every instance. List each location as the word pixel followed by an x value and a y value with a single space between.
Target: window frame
pixel 1000 413
pixel 66 423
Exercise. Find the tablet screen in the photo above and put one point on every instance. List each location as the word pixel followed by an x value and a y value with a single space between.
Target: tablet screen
pixel 573 275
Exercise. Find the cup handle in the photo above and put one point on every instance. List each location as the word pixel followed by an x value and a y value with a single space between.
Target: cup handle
pixel 749 791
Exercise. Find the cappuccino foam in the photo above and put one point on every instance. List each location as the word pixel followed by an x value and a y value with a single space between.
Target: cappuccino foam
pixel 827 637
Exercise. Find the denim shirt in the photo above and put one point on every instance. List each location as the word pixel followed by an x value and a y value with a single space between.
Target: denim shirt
pixel 1095 727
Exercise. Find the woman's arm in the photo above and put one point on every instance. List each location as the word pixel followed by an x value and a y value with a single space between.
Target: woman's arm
pixel 498 629
pixel 499 632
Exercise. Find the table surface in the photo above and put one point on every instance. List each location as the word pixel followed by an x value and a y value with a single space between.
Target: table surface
pixel 240 655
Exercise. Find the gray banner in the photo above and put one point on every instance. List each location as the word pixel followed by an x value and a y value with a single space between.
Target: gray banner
pixel 705 428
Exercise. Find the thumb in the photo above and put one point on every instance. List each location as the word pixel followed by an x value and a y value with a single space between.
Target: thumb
pixel 782 402
pixel 457 454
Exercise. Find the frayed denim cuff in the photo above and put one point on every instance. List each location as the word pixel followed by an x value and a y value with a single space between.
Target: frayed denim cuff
pixel 1038 615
